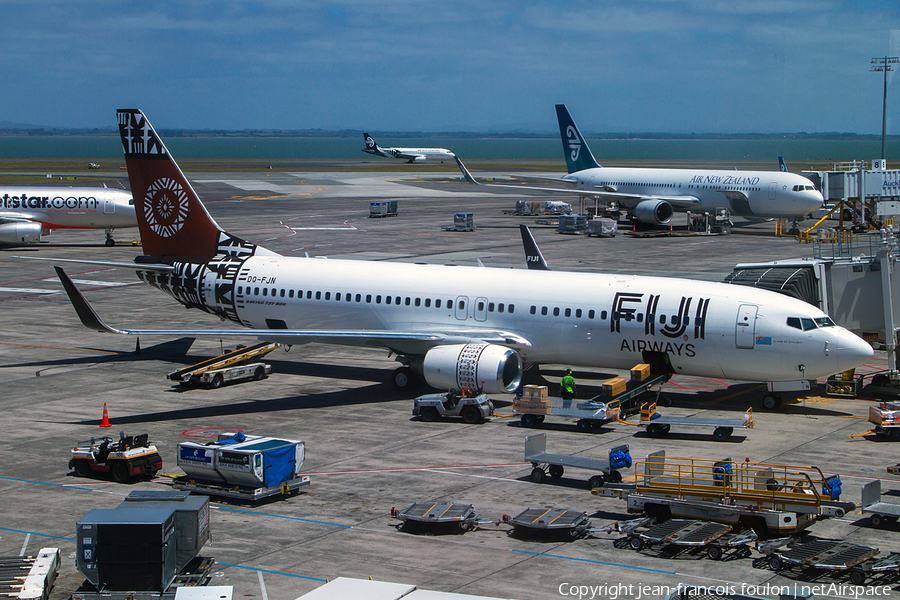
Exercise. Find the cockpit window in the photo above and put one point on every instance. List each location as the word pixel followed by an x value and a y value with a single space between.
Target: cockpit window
pixel 805 324
pixel 824 322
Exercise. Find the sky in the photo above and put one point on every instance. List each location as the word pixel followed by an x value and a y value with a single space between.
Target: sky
pixel 681 66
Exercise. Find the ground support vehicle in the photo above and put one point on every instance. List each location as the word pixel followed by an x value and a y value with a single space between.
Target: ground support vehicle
pixel 247 467
pixel 544 462
pixel 659 425
pixel 857 562
pixel 236 365
pixel 549 522
pixel 240 492
pixel 886 418
pixel 432 407
pixel 880 513
pixel 29 577
pixel 383 208
pixel 771 499
pixel 595 412
pixel 439 516
pixel 131 456
pixel 717 538
pixel 195 574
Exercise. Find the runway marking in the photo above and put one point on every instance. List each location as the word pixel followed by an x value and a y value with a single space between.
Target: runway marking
pixel 596 562
pixel 729 396
pixel 94 282
pixel 262 586
pixel 347 227
pixel 400 469
pixel 59 348
pixel 274 516
pixel 268 571
pixel 55 537
pixel 16 290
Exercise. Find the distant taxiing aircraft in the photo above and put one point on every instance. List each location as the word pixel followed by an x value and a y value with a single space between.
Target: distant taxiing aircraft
pixel 411 155
pixel 458 327
pixel 28 212
pixel 652 196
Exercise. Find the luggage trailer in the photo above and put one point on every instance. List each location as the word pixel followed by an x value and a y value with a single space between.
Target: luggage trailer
pixel 773 500
pixel 717 538
pixel 550 522
pixel 544 462
pixel 659 425
pixel 880 513
pixel 857 562
pixel 436 517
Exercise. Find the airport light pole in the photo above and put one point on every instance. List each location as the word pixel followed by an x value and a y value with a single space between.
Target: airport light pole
pixel 879 65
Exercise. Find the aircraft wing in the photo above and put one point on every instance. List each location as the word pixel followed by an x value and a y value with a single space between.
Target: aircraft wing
pixel 735 195
pixel 372 338
pixel 627 200
pixel 14 218
pixel 409 157
pixel 106 263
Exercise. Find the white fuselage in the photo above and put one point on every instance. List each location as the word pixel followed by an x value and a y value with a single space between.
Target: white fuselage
pixel 68 207
pixel 769 194
pixel 707 329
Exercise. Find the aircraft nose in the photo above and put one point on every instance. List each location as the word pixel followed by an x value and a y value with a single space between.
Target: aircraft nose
pixel 812 201
pixel 852 350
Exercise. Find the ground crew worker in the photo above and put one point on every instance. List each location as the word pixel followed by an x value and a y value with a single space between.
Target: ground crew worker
pixel 567 386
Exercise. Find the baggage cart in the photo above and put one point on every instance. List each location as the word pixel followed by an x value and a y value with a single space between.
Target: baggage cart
pixel 544 462
pixel 880 513
pixel 439 516
pixel 549 522
pixel 658 425
pixel 230 366
pixel 716 538
pixel 384 208
pixel 856 561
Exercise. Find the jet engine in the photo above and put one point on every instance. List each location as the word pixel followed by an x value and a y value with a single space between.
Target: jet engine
pixel 20 232
pixel 417 159
pixel 653 212
pixel 490 368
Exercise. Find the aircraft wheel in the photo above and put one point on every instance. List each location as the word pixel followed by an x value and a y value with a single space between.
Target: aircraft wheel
pixel 471 415
pixel 556 471
pixel 110 242
pixel 82 468
pixel 771 401
pixel 429 413
pixel 402 379
pixel 794 231
pixel 538 475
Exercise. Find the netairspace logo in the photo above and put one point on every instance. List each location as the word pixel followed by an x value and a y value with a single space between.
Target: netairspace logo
pixel 616 591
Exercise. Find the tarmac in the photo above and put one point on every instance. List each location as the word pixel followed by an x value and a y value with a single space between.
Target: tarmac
pixel 365 452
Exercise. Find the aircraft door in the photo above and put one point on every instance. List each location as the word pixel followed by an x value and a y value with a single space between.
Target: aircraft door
pixel 462 307
pixel 481 309
pixel 772 188
pixel 745 328
pixel 109 207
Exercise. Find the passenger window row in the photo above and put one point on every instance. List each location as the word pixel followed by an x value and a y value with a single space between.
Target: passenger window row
pixel 349 297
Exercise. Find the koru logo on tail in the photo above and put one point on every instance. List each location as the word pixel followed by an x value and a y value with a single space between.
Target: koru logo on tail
pixel 574 142
pixel 165 207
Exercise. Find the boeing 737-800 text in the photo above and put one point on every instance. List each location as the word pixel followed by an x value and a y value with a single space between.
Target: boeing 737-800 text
pixel 28 212
pixel 461 327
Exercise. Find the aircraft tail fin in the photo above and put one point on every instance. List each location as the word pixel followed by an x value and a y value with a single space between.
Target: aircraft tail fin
pixel 578 155
pixel 173 222
pixel 533 257
pixel 371 144
pixel 781 165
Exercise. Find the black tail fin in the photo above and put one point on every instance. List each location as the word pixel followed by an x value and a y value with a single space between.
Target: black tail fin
pixel 533 257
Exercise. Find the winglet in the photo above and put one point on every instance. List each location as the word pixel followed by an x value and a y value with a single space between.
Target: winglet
pixel 465 172
pixel 89 317
pixel 533 257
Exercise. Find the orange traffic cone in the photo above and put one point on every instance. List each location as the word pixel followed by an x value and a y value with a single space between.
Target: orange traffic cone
pixel 105 421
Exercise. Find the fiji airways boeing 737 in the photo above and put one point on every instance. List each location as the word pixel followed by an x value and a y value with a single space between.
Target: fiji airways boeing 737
pixel 27 212
pixel 652 196
pixel 411 155
pixel 460 327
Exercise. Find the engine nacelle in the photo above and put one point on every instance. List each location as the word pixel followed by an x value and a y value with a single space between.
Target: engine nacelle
pixel 17 233
pixel 653 212
pixel 490 368
pixel 418 159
